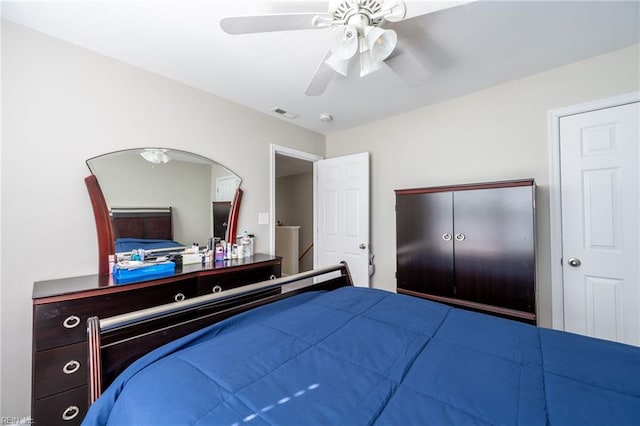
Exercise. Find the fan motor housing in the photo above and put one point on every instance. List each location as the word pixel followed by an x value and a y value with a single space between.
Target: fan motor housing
pixel 344 10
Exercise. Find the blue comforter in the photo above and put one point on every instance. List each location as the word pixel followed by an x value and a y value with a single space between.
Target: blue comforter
pixel 125 245
pixel 360 356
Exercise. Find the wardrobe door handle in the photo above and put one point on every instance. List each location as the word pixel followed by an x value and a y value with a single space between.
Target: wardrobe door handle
pixel 460 237
pixel 446 236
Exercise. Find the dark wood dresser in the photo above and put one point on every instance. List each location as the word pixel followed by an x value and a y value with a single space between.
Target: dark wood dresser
pixel 470 246
pixel 61 308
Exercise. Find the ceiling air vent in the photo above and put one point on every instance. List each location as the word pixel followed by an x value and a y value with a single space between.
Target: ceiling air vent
pixel 284 113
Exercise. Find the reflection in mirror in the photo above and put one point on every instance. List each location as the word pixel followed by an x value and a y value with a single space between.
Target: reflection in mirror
pixel 164 194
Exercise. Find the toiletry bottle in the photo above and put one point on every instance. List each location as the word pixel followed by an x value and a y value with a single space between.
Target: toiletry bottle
pixel 219 253
pixel 112 263
pixel 226 248
pixel 246 245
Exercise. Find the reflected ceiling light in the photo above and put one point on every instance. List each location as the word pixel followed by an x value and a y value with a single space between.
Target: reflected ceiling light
pixel 156 156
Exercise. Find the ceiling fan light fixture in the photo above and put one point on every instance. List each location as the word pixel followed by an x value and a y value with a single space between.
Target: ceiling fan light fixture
pixel 380 42
pixel 344 42
pixel 367 64
pixel 341 66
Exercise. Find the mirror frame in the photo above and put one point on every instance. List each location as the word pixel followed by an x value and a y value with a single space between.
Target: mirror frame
pixel 104 228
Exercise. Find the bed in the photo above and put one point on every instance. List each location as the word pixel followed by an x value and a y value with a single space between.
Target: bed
pixel 338 354
pixel 148 228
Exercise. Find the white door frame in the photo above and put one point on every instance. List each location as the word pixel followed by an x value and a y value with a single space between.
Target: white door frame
pixel 289 152
pixel 555 197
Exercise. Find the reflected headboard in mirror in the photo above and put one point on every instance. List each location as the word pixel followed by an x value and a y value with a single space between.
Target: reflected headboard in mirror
pixel 124 184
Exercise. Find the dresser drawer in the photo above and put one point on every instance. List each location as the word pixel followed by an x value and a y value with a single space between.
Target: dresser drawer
pixel 67 408
pixel 218 282
pixel 59 369
pixel 63 323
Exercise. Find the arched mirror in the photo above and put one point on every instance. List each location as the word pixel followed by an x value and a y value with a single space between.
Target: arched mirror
pixel 158 198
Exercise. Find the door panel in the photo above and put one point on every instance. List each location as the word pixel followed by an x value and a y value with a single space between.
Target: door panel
pixel 494 240
pixel 424 224
pixel 600 214
pixel 343 214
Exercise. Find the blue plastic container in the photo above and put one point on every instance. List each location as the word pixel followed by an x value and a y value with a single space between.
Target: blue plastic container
pixel 142 273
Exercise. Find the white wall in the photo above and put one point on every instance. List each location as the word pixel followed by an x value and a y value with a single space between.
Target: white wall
pixel 496 134
pixel 61 105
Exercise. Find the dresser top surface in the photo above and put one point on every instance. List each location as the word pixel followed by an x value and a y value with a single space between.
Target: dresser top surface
pixel 88 283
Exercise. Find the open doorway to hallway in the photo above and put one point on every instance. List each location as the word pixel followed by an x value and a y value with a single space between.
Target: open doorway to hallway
pixel 293 209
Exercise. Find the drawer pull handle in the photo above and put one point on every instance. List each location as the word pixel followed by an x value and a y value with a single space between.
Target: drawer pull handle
pixel 70 413
pixel 71 367
pixel 272 277
pixel 216 289
pixel 179 297
pixel 71 322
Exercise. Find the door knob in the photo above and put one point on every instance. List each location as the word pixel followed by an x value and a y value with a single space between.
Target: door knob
pixel 362 246
pixel 574 262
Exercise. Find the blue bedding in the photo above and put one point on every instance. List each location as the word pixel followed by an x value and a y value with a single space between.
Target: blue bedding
pixel 125 245
pixel 359 356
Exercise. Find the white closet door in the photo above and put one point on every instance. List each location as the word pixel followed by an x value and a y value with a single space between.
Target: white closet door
pixel 600 215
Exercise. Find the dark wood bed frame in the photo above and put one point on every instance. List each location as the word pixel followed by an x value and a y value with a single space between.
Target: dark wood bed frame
pixel 114 343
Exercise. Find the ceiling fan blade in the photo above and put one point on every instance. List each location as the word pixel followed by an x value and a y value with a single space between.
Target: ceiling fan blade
pixel 266 23
pixel 418 8
pixel 407 67
pixel 321 78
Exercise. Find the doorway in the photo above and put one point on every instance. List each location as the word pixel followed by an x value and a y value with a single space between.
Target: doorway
pixel 594 228
pixel 292 208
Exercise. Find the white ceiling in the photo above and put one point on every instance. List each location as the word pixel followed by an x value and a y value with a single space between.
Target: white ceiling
pixel 467 48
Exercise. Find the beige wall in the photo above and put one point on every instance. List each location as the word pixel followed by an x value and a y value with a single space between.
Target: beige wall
pixel 61 105
pixel 496 134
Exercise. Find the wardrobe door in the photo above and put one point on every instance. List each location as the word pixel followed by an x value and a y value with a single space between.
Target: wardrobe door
pixel 424 226
pixel 494 247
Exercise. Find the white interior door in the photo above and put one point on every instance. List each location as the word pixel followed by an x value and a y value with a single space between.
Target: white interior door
pixel 226 188
pixel 600 193
pixel 342 214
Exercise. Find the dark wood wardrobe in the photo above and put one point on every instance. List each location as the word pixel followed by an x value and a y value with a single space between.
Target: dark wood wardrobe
pixel 470 246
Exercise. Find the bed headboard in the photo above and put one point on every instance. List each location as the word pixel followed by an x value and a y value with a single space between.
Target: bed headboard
pixel 142 222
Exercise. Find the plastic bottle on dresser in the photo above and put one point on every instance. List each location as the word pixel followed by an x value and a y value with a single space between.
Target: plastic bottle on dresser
pixel 246 244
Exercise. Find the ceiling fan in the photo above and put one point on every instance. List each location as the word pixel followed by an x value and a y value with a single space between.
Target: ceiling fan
pixel 357 32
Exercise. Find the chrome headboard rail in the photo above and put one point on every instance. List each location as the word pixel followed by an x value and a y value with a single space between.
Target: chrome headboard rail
pixel 97 326
pixel 117 321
